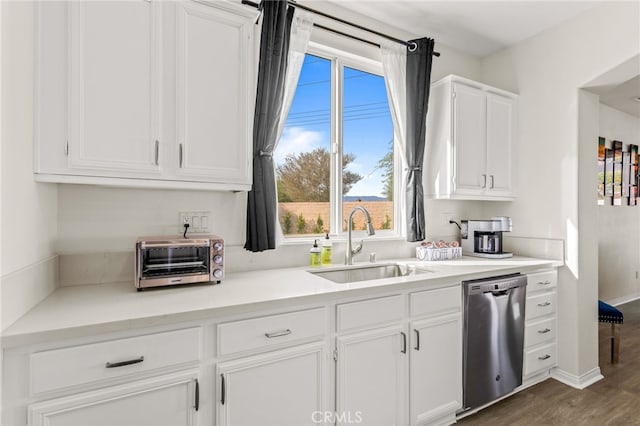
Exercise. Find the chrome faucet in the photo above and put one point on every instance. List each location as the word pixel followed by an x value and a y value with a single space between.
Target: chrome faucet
pixel 350 252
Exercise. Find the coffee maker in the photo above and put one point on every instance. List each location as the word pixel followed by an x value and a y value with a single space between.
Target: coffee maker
pixel 483 238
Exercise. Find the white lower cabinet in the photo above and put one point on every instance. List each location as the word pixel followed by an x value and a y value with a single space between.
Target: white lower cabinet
pixel 371 377
pixel 407 372
pixel 285 387
pixel 436 369
pixel 540 337
pixel 165 400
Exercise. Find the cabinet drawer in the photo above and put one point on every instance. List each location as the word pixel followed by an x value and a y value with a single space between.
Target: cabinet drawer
pixel 540 359
pixel 370 312
pixel 435 301
pixel 76 365
pixel 263 332
pixel 541 304
pixel 542 281
pixel 540 332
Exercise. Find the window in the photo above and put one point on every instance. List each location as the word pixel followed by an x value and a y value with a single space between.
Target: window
pixel 337 149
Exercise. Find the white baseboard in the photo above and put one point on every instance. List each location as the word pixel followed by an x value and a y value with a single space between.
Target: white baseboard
pixel 624 299
pixel 578 382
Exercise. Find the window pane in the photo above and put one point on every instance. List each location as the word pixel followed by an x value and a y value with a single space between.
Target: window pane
pixel 302 156
pixel 367 150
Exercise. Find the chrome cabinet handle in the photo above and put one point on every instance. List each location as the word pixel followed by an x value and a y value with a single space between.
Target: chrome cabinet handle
pixel 484 181
pixel 404 342
pixel 278 333
pixel 223 390
pixel 546 330
pixel 542 358
pixel 157 151
pixel 542 305
pixel 180 155
pixel 491 176
pixel 547 282
pixel 417 347
pixel 123 363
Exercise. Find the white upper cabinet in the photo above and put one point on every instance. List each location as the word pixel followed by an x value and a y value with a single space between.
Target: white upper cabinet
pixel 114 90
pixel 470 135
pixel 213 100
pixel 145 94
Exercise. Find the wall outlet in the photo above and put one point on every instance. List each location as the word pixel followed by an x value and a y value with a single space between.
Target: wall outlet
pixel 198 221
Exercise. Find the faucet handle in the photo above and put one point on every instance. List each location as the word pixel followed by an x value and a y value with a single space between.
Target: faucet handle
pixel 358 247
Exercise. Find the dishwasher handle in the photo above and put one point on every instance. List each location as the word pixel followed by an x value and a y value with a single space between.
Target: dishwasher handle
pixel 499 293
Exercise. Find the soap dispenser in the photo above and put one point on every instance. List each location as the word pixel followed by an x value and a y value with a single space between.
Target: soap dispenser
pixel 326 250
pixel 314 254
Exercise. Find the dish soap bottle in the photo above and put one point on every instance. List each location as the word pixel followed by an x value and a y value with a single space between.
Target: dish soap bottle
pixel 326 250
pixel 314 254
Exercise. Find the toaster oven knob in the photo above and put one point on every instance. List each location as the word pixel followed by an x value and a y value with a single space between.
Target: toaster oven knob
pixel 217 273
pixel 217 246
pixel 217 259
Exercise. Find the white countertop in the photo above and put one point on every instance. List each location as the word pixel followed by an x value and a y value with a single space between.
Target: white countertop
pixel 92 309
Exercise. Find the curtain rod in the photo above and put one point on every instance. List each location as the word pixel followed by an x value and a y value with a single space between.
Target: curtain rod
pixel 342 21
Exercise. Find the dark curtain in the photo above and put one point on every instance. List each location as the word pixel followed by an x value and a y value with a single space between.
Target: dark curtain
pixel 262 209
pixel 418 86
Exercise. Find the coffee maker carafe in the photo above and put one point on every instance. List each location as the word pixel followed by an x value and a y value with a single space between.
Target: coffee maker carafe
pixel 483 238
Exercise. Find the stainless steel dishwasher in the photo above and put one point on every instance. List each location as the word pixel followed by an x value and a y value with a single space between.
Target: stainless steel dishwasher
pixel 493 338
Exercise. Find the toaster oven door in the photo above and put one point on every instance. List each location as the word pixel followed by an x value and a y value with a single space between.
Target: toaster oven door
pixel 173 264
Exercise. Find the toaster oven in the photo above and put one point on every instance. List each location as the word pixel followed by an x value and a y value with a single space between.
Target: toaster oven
pixel 164 261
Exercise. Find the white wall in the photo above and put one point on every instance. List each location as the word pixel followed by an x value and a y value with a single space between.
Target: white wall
pixel 547 70
pixel 1 140
pixel 29 210
pixel 618 226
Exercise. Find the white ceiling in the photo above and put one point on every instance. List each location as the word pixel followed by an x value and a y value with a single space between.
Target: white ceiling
pixel 476 27
pixel 621 97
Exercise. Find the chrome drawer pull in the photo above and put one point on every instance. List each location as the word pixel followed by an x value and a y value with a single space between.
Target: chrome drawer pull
pixel 278 333
pixel 123 363
pixel 542 305
pixel 542 358
pixel 546 330
pixel 544 282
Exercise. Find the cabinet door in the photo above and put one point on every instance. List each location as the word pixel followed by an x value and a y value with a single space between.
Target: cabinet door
pixel 277 388
pixel 114 87
pixel 214 94
pixel 436 369
pixel 500 119
pixel 371 377
pixel 469 128
pixel 166 400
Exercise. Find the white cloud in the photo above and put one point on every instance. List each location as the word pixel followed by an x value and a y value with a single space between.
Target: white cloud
pixel 295 140
pixel 370 184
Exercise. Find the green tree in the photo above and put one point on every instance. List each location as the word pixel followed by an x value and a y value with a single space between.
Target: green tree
pixel 386 165
pixel 282 196
pixel 318 228
pixel 287 222
pixel 301 224
pixel 307 176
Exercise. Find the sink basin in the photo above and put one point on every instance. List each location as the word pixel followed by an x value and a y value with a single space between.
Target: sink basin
pixel 350 274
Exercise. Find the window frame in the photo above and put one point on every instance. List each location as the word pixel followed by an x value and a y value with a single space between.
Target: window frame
pixel 339 59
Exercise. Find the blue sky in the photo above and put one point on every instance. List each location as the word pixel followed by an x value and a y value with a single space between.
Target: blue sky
pixel 368 129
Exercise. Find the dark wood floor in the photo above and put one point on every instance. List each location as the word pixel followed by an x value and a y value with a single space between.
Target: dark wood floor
pixel 615 400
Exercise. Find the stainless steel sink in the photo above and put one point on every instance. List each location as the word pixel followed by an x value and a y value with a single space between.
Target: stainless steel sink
pixel 369 272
